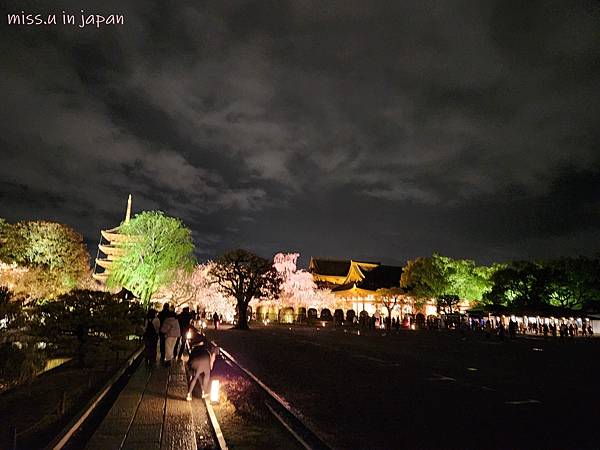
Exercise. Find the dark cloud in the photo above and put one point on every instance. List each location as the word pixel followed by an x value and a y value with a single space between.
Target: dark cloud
pixel 343 128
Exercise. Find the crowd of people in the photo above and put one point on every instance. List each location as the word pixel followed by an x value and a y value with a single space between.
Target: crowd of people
pixel 544 328
pixel 374 322
pixel 172 333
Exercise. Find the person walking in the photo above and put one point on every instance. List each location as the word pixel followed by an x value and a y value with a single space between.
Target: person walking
pixel 150 337
pixel 216 320
pixel 170 328
pixel 512 329
pixel 201 362
pixel 184 318
pixel 162 315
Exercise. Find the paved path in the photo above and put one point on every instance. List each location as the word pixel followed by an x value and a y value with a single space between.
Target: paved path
pixel 151 413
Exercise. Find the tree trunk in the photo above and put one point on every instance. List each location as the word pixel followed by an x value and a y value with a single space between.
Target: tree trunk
pixel 388 319
pixel 242 316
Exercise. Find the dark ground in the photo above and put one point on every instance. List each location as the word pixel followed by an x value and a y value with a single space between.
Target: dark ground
pixel 243 416
pixel 429 389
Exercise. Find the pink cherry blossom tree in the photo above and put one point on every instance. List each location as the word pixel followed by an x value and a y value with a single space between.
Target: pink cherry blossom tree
pixel 298 288
pixel 198 290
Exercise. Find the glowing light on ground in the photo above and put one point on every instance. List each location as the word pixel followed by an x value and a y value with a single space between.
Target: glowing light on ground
pixel 214 391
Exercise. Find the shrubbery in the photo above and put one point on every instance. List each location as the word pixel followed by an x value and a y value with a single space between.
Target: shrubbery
pixel 19 364
pixel 87 319
pixel 42 259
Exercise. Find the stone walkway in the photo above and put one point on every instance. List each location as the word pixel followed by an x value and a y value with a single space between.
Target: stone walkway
pixel 151 413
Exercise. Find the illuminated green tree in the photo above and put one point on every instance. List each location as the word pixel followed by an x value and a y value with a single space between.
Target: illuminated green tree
pixel 467 280
pixel 55 251
pixel 566 282
pixel 438 276
pixel 447 303
pixel 519 283
pixel 574 282
pixel 426 277
pixel 158 247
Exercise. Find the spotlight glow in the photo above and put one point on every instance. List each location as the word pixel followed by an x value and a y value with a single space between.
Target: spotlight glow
pixel 214 391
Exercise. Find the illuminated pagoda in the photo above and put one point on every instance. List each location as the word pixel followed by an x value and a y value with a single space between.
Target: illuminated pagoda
pixel 111 245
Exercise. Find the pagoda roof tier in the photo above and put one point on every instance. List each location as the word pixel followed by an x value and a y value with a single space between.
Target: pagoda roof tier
pixel 104 263
pixel 111 250
pixel 102 277
pixel 114 237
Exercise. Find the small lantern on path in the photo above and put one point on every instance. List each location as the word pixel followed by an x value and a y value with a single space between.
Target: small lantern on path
pixel 214 391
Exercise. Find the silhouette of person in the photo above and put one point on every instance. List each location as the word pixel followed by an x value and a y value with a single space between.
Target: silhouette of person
pixel 162 315
pixel 184 318
pixel 151 337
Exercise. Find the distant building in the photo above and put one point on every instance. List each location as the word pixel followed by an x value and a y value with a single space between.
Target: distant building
pixel 339 275
pixel 356 283
pixel 111 245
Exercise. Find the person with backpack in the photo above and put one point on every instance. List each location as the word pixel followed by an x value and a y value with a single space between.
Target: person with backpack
pixel 151 337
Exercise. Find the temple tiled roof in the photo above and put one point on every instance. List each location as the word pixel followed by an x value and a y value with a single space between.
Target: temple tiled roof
pixel 343 274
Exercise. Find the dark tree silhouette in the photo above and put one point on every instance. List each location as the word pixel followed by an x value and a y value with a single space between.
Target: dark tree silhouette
pixel 245 276
pixel 90 318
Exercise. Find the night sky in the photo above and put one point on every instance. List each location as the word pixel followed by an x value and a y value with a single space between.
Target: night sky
pixel 378 130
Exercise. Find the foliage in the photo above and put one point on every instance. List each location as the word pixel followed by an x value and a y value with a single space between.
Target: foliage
pixel 437 275
pixel 89 317
pixel 298 288
pixel 468 281
pixel 10 310
pixel 5 294
pixel 24 282
pixel 185 288
pixel 158 248
pixel 447 303
pixel 55 255
pixel 199 290
pixel 19 364
pixel 3 227
pixel 245 276
pixel 565 282
pixel 574 282
pixel 424 277
pixel 519 283
pixel 390 298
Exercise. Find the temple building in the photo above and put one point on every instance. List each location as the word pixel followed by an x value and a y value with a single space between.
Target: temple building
pixel 340 275
pixel 355 283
